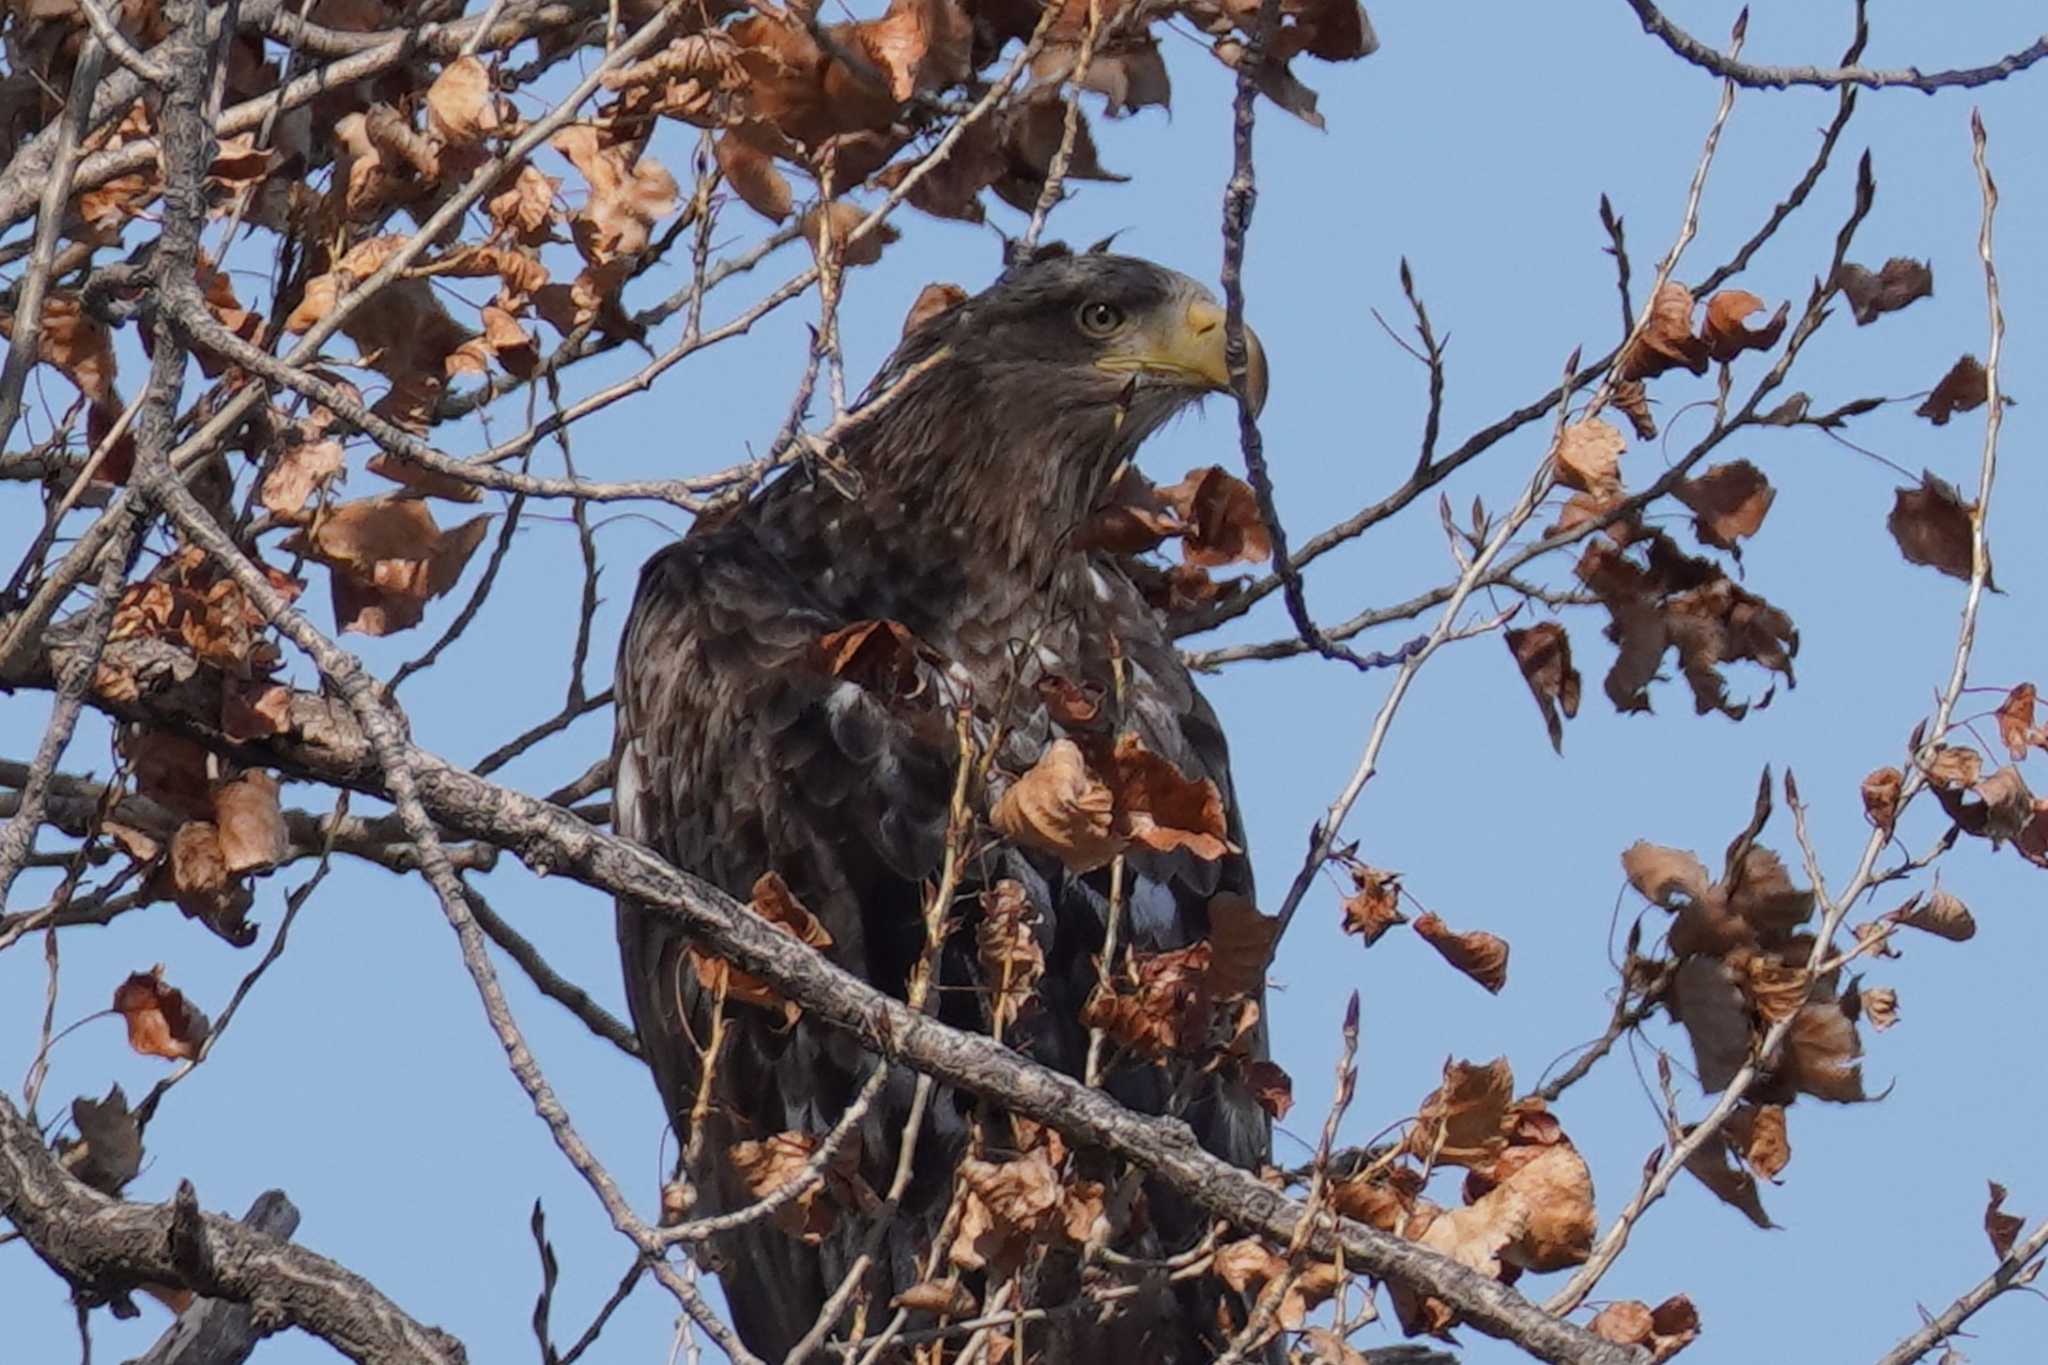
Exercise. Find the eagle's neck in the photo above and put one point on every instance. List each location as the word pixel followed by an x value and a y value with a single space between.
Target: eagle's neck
pixel 959 508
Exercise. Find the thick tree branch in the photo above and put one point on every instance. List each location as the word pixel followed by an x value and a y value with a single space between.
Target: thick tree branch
pixel 110 1246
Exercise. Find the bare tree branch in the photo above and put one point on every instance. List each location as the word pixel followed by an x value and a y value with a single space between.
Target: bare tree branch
pixel 1782 77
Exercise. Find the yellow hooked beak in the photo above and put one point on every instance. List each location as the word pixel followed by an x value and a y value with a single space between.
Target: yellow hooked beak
pixel 1185 343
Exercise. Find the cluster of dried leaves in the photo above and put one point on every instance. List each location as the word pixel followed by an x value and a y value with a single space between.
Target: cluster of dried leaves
pixel 1373 907
pixel 1739 949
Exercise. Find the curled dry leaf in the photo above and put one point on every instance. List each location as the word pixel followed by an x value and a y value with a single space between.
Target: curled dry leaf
pixel 1589 458
pixel 2001 1227
pixel 1544 654
pixel 1383 1197
pixel 1759 1135
pixel 1241 944
pixel 1158 1004
pixel 1221 516
pixel 1728 502
pixel 1821 1055
pixel 880 656
pixel 1061 807
pixel 931 301
pixel 1012 958
pixel 1271 1086
pixel 1666 341
pixel 1664 1330
pixel 2003 808
pixel 301 470
pixel 1133 517
pixel 752 173
pixel 1462 1121
pixel 1954 767
pixel 161 1022
pixel 1707 1002
pixel 1881 798
pixel 1541 1195
pixel 832 224
pixel 388 558
pixel 1247 1266
pixel 1375 906
pixel 773 901
pixel 1160 808
pixel 107 1153
pixel 626 198
pixel 199 881
pixel 1899 283
pixel 1009 1205
pixel 524 211
pixel 1724 333
pixel 1933 526
pixel 1880 1005
pixel 772 1163
pixel 251 828
pixel 462 106
pixel 2016 721
pixel 1716 1165
pixel 74 343
pixel 1479 955
pixel 1944 916
pixel 1964 388
pixel 947 1299
pixel 1669 877
pixel 255 711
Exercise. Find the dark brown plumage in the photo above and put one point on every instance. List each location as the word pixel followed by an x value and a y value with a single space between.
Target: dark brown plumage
pixel 738 752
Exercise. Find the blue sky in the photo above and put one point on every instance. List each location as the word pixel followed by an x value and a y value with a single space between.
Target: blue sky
pixel 361 1078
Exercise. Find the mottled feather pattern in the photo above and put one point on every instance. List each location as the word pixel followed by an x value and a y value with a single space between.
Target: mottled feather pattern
pixel 738 752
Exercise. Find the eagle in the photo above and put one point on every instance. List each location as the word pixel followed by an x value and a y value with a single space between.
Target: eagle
pixel 950 518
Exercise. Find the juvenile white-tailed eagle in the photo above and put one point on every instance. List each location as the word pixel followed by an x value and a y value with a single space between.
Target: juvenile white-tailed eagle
pixel 742 749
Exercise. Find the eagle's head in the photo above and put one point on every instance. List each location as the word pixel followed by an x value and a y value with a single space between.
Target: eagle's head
pixel 1028 396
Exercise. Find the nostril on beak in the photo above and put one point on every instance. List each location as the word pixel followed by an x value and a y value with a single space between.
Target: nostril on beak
pixel 1203 317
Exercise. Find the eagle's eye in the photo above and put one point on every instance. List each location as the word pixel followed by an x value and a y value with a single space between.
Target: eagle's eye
pixel 1100 318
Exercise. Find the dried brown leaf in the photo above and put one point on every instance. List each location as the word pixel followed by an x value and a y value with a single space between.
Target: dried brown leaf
pixel 1160 808
pixel 1241 944
pixel 2001 1227
pixel 1881 798
pixel 462 106
pixel 1728 502
pixel 1666 876
pixel 1899 283
pixel 1715 1164
pixel 161 1022
pixel 1543 653
pixel 1462 1122
pixel 107 1153
pixel 1943 915
pixel 931 301
pixel 1965 387
pixel 1667 341
pixel 1759 1135
pixel 1221 516
pixel 251 826
pixel 1933 526
pixel 1062 807
pixel 1376 905
pixel 1724 333
pixel 1479 955
pixel 773 901
pixel 1588 458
